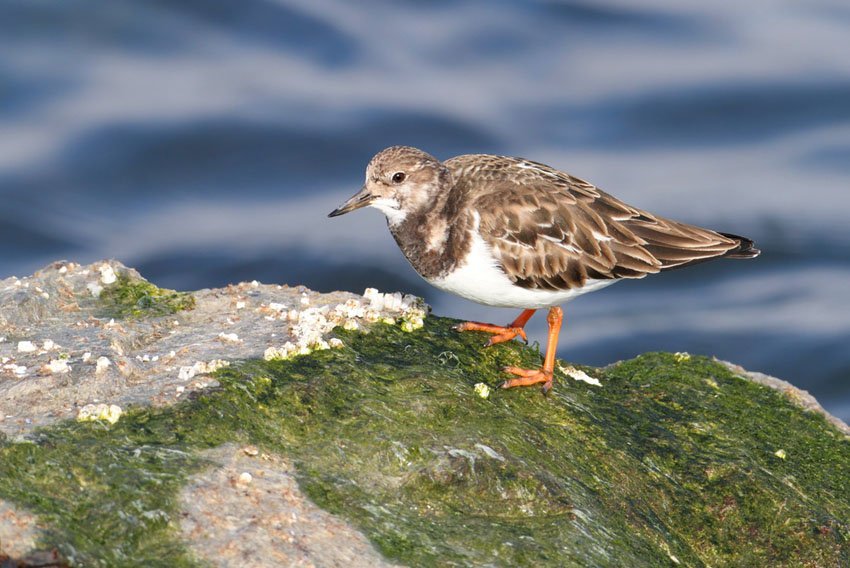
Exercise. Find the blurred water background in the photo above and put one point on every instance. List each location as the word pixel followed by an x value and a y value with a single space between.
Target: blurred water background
pixel 203 142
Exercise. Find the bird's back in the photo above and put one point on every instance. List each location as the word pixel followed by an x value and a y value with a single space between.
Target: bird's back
pixel 550 230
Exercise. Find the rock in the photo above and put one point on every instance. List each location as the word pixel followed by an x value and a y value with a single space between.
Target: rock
pixel 133 343
pixel 247 510
pixel 18 531
pixel 666 459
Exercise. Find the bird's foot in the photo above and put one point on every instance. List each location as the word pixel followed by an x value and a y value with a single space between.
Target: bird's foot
pixel 500 333
pixel 527 377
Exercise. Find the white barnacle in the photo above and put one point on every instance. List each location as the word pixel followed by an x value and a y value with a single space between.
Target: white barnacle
pixel 350 309
pixel 94 288
pixel 18 370
pixel 201 368
pixel 393 302
pixel 100 412
pixel 277 353
pixel 229 338
pixel 579 375
pixel 482 390
pixel 372 316
pixel 57 366
pixel 412 324
pixel 107 274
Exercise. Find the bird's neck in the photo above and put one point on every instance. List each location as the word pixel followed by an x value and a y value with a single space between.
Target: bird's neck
pixel 431 237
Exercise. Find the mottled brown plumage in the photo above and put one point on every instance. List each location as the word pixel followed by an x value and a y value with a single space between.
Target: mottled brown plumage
pixel 553 231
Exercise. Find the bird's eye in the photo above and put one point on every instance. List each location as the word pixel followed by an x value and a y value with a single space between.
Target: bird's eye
pixel 398 177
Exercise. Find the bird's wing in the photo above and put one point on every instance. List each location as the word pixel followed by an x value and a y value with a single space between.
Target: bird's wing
pixel 553 231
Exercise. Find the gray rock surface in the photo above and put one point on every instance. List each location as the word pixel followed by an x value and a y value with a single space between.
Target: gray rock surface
pixel 249 511
pixel 58 353
pixel 18 531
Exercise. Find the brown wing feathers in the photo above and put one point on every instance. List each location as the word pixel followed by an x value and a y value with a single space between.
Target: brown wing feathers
pixel 556 232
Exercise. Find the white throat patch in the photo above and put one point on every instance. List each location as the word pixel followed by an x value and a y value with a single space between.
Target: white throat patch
pixel 390 208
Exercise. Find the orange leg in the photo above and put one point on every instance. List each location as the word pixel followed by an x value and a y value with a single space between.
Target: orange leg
pixel 500 333
pixel 544 374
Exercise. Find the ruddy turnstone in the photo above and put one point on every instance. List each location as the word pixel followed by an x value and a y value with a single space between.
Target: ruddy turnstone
pixel 510 232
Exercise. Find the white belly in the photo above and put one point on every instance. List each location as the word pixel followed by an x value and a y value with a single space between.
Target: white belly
pixel 479 279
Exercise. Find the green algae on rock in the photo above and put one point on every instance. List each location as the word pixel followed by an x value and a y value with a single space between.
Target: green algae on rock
pixel 133 298
pixel 672 461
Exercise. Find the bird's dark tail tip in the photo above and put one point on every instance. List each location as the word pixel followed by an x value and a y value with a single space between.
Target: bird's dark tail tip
pixel 745 249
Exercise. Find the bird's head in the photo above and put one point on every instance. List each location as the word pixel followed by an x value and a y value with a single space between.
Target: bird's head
pixel 399 180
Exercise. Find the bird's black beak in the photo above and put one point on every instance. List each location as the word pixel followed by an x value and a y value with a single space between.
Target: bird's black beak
pixel 360 199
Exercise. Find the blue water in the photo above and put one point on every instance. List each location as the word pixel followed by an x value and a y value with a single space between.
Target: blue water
pixel 204 143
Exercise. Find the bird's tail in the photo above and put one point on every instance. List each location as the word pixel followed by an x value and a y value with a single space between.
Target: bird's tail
pixel 745 249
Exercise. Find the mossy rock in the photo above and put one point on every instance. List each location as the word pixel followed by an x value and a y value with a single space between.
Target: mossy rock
pixel 672 461
pixel 135 297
